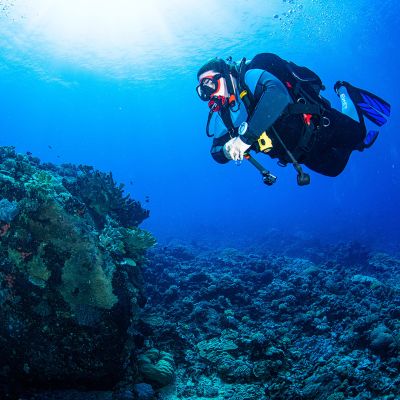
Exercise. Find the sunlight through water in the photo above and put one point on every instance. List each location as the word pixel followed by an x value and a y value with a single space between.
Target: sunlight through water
pixel 131 39
pixel 113 36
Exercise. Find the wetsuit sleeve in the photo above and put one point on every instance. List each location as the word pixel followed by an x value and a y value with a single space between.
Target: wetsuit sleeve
pixel 217 149
pixel 221 136
pixel 272 98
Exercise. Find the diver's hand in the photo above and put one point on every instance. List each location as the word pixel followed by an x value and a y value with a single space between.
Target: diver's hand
pixel 235 149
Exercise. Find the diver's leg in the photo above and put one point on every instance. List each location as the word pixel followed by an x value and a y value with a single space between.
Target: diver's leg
pixel 343 132
pixel 330 163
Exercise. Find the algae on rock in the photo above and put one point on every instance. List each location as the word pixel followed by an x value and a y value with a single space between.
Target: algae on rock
pixel 87 279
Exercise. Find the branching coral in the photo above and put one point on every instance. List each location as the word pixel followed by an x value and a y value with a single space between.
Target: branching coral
pixel 137 241
pixel 45 187
pixel 103 197
pixel 111 238
pixel 131 242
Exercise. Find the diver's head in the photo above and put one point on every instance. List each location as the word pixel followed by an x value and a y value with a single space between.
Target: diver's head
pixel 212 85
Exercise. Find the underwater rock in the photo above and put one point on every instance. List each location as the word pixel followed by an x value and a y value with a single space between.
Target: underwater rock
pixel 382 341
pixel 144 391
pixel 214 349
pixel 157 366
pixel 71 254
pixel 370 281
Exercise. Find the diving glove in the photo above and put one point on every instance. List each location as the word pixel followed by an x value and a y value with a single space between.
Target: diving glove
pixel 235 148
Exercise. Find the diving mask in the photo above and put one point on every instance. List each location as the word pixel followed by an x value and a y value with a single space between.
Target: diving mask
pixel 208 86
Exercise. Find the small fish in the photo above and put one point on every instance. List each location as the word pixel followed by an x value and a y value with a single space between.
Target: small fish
pixel 49 147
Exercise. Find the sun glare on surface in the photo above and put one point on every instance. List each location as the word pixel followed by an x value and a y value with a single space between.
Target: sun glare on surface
pixel 117 34
pixel 97 26
pixel 99 31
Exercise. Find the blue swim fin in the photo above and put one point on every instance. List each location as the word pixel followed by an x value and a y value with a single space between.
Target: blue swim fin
pixel 369 105
pixel 370 139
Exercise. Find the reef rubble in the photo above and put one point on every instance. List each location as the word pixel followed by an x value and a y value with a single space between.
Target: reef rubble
pixel 262 325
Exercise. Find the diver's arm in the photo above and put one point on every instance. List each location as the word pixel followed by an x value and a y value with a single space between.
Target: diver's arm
pixel 273 100
pixel 217 149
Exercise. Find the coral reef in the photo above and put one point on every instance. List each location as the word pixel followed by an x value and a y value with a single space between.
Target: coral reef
pixel 262 325
pixel 99 192
pixel 297 320
pixel 71 254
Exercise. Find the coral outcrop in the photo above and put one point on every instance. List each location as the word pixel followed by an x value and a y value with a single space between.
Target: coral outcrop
pixel 71 253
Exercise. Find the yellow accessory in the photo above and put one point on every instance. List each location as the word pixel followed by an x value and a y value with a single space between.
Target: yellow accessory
pixel 243 94
pixel 264 142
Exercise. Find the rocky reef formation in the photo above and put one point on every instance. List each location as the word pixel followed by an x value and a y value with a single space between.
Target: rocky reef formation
pixel 81 319
pixel 71 253
pixel 262 326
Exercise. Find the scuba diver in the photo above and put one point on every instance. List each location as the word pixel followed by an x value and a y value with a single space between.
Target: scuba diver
pixel 273 106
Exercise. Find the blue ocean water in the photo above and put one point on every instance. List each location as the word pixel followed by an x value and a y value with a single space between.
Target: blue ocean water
pixel 113 86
